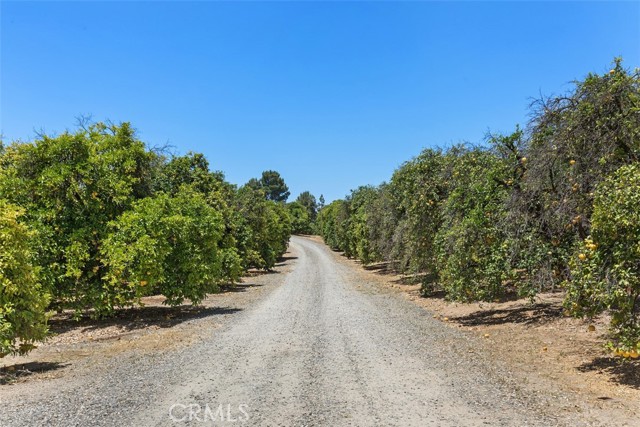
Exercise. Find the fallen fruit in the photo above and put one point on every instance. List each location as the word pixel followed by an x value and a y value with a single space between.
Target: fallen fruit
pixel 486 335
pixel 592 328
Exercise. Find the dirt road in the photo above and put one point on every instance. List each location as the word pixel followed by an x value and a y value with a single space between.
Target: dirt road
pixel 319 348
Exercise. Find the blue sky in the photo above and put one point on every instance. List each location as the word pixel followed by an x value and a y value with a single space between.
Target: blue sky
pixel 332 95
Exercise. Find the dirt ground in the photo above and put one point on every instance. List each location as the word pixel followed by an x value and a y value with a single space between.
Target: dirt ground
pixel 542 347
pixel 326 343
pixel 150 328
pixel 537 340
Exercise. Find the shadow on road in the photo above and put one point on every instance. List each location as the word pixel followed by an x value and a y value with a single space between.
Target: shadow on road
pixel 282 261
pixel 380 267
pixel 625 372
pixel 240 287
pixel 13 373
pixel 530 314
pixel 131 319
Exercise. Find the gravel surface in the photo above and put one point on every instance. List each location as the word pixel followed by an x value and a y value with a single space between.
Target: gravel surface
pixel 317 346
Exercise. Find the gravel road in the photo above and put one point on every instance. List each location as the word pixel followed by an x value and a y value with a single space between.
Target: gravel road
pixel 320 347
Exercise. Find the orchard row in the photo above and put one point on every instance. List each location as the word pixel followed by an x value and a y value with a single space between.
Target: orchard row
pixel 93 220
pixel 556 205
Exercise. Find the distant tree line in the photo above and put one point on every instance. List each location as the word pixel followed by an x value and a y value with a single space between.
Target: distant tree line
pixel 556 205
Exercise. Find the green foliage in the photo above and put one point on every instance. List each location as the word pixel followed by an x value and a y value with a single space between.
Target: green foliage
pixel 381 224
pixel 417 189
pixel 116 222
pixel 303 213
pixel 191 169
pixel 264 228
pixel 606 266
pixel 300 219
pixel 309 202
pixel 471 250
pixel 359 233
pixel 274 186
pixel 526 212
pixel 166 245
pixel 279 228
pixel 576 141
pixel 70 187
pixel 332 222
pixel 22 302
pixel 508 216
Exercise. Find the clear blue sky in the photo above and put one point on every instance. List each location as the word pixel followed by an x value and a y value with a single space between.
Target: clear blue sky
pixel 332 95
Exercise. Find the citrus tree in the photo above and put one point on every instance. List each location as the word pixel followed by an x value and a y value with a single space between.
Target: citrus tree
pixel 264 227
pixel 575 141
pixel 23 303
pixel 168 245
pixel 417 190
pixel 70 187
pixel 332 221
pixel 300 219
pixel 359 233
pixel 606 265
pixel 471 251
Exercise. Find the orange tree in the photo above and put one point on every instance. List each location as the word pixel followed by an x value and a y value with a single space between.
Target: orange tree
pixel 417 190
pixel 263 227
pixel 22 300
pixel 575 141
pixel 471 243
pixel 70 187
pixel 168 245
pixel 606 265
pixel 300 218
pixel 358 231
pixel 332 222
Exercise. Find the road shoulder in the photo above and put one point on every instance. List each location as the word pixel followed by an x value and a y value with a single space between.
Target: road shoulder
pixel 78 346
pixel 547 351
